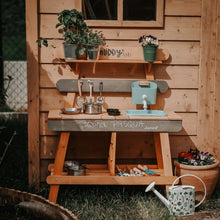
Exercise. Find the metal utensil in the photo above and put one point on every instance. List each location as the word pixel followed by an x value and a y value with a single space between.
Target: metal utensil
pixel 100 98
pixel 80 99
pixel 90 90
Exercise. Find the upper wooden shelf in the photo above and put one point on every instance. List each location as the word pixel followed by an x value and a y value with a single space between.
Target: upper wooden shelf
pixel 111 61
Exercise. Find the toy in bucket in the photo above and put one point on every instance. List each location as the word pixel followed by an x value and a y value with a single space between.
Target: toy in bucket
pixel 181 201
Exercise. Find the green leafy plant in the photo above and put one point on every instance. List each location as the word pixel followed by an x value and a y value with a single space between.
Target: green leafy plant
pixel 93 39
pixel 196 158
pixel 42 41
pixel 71 25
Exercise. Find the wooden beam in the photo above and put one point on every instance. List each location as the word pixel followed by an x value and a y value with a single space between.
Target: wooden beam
pixel 33 92
pixel 59 161
pixel 206 98
pixel 112 153
pixel 217 91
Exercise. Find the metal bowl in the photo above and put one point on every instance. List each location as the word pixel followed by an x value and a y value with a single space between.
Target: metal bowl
pixel 71 111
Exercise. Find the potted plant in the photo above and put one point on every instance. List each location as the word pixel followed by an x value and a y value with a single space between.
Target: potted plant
pixel 150 45
pixel 201 164
pixel 73 27
pixel 92 40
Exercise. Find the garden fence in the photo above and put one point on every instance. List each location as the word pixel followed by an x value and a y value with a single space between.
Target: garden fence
pixel 13 55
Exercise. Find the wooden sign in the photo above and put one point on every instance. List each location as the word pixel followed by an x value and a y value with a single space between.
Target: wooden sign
pixel 109 85
pixel 121 53
pixel 115 125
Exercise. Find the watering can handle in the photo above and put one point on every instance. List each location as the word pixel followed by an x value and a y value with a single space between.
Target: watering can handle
pixel 198 179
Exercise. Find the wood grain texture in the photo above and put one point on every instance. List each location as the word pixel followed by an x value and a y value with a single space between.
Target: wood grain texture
pixel 112 154
pixel 175 76
pixel 58 165
pixel 180 35
pixel 109 85
pixel 187 53
pixel 217 94
pixel 206 98
pixel 50 6
pixel 189 125
pixel 33 92
pixel 110 180
pixel 178 100
pixel 172 7
pixel 186 7
pixel 176 28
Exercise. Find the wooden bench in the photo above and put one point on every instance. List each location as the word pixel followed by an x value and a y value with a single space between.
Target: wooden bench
pixel 105 173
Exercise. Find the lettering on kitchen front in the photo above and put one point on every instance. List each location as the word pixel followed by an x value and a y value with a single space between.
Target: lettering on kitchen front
pixel 117 125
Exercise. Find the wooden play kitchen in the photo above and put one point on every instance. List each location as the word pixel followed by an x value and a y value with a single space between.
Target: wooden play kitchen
pixel 137 120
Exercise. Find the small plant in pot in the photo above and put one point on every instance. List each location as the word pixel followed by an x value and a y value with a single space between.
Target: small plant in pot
pixel 200 164
pixel 73 27
pixel 150 45
pixel 92 40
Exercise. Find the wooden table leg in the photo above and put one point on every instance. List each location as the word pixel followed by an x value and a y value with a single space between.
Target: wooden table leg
pixel 157 143
pixel 111 158
pixel 167 160
pixel 59 162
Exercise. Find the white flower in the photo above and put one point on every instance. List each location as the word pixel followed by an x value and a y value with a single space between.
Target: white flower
pixel 195 164
pixel 202 157
pixel 193 161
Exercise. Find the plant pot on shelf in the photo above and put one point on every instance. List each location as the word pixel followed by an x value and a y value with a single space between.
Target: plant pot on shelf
pixel 209 174
pixel 81 53
pixel 70 51
pixel 92 52
pixel 150 53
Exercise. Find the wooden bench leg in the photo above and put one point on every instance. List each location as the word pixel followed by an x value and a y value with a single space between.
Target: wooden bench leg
pixel 158 150
pixel 59 162
pixel 167 161
pixel 111 158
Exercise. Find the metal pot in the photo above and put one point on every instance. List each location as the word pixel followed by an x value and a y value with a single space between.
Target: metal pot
pixel 92 108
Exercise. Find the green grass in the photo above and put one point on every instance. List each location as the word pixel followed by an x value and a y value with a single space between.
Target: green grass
pixel 86 202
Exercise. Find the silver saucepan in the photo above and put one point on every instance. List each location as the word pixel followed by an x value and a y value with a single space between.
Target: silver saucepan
pixel 92 108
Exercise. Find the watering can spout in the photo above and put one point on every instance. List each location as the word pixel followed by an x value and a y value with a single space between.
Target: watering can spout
pixel 162 198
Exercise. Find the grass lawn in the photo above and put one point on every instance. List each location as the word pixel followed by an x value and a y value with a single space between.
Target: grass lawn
pixel 86 202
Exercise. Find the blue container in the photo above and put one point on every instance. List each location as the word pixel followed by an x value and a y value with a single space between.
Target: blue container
pixel 138 91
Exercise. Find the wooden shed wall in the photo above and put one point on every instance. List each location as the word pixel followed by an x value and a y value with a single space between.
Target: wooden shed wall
pixel 191 75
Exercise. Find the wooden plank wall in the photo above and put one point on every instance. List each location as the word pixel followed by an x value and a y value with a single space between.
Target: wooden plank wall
pixel 181 35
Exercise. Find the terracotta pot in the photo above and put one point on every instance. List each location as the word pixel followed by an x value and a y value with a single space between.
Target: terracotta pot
pixel 209 174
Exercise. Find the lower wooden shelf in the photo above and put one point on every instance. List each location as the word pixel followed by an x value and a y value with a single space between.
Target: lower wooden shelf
pixel 100 175
pixel 109 180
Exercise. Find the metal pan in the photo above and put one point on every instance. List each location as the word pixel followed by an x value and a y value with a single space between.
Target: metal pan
pixel 71 111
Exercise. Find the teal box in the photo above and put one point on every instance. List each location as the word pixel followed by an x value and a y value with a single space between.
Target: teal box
pixel 138 91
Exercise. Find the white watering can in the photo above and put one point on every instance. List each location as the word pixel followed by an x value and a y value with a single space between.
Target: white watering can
pixel 181 201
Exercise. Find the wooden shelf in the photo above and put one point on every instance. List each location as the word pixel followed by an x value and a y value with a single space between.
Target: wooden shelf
pixel 111 61
pixel 109 180
pixel 99 174
pixel 105 123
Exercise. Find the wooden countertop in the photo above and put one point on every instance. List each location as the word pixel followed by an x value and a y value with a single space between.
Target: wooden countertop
pixel 105 123
pixel 56 114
